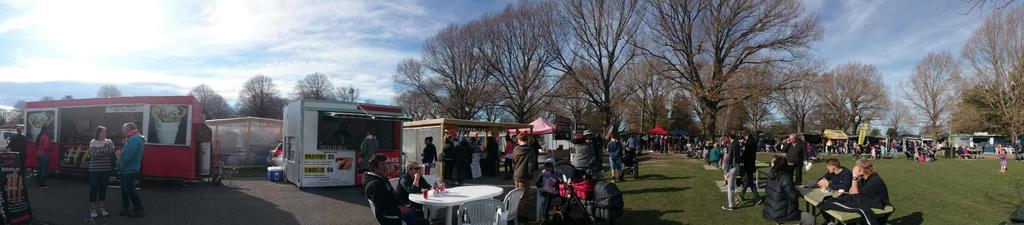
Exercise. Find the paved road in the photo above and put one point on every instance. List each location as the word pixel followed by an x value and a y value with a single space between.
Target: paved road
pixel 247 202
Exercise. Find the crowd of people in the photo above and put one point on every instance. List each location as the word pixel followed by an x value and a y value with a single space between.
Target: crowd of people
pixel 518 153
pixel 859 189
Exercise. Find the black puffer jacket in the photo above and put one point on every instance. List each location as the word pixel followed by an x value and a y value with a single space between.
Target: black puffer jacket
pixel 781 204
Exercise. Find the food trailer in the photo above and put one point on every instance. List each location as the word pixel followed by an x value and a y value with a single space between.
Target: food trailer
pixel 244 141
pixel 322 140
pixel 173 127
pixel 414 133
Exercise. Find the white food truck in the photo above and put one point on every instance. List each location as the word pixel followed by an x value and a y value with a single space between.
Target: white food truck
pixel 322 140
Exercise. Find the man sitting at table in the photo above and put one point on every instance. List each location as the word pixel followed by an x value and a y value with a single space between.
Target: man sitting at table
pixel 379 191
pixel 837 177
pixel 412 182
pixel 867 192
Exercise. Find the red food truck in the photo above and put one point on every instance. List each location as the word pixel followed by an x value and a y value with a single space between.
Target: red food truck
pixel 172 126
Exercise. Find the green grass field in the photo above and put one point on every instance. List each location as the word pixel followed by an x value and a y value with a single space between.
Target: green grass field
pixel 673 190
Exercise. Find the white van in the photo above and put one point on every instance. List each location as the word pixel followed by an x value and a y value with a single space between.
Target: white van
pixel 5 135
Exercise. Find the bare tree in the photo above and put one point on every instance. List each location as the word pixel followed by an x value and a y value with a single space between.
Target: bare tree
pixel 707 44
pixel 651 93
pixel 260 98
pixel 214 105
pixel 46 98
pixel 108 91
pixel 458 82
pixel 568 100
pixel 15 114
pixel 494 113
pixel 349 94
pixel 898 117
pixel 594 51
pixel 933 90
pixel 760 104
pixel 514 55
pixel 993 4
pixel 995 57
pixel 798 99
pixel 681 116
pixel 853 93
pixel 416 106
pixel 314 86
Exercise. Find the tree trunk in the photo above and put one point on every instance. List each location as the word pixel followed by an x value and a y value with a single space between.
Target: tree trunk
pixel 709 118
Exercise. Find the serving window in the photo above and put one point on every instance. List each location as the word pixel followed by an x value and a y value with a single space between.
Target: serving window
pixel 349 132
pixel 78 124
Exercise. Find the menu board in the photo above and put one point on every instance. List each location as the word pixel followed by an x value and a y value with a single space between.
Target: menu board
pixel 14 204
pixel 168 124
pixel 322 168
pixel 37 120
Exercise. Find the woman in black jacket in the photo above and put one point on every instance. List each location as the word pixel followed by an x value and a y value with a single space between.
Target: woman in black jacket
pixel 781 203
pixel 463 157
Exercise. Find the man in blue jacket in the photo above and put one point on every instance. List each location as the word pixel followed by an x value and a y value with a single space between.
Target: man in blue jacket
pixel 129 166
pixel 837 177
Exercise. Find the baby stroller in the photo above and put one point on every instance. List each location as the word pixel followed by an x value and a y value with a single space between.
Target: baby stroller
pixel 579 200
pixel 630 164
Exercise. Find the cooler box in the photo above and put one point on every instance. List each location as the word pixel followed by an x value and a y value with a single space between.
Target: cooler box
pixel 275 174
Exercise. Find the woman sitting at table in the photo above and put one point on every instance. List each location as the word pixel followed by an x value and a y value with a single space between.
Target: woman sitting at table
pixel 387 208
pixel 781 203
pixel 867 192
pixel 412 182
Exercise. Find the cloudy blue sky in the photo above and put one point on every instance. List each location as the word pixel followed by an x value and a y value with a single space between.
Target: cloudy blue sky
pixel 57 48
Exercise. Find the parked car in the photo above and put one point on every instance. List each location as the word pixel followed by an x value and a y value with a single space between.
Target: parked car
pixel 5 136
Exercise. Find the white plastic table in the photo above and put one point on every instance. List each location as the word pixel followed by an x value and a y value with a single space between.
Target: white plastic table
pixel 456 196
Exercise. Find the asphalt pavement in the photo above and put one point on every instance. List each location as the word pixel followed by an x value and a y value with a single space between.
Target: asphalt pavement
pixel 240 201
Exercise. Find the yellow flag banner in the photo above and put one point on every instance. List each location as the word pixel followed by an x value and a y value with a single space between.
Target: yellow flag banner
pixel 863 133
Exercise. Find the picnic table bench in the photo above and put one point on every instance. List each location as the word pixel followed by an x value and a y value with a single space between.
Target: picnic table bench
pixel 813 197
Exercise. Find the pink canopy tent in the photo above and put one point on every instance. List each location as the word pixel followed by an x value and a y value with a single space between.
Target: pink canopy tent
pixel 657 131
pixel 540 126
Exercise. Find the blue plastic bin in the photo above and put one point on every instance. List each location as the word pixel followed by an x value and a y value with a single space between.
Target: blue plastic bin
pixel 275 174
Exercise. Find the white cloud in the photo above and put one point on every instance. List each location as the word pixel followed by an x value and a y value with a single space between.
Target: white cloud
pixel 893 35
pixel 219 43
pixel 855 16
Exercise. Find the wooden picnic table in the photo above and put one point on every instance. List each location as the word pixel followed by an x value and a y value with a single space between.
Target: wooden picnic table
pixel 814 196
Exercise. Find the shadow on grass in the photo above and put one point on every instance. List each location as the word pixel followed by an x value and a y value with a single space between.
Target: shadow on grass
pixel 655 190
pixel 661 177
pixel 646 217
pixel 914 218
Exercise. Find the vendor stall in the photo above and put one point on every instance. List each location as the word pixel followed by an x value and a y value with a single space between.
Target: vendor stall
pixel 244 141
pixel 545 130
pixel 322 140
pixel 835 140
pixel 172 126
pixel 415 132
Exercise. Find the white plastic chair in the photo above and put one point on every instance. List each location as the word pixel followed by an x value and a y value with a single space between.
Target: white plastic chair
pixel 394 183
pixel 431 179
pixel 481 212
pixel 511 205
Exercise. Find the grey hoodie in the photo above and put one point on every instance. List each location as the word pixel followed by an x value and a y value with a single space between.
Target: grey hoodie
pixel 584 155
